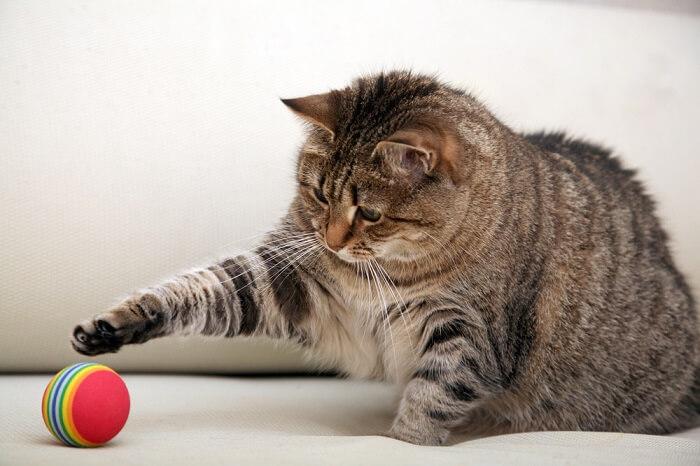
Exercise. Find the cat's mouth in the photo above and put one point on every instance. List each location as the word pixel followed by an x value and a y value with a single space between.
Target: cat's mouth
pixel 352 253
pixel 355 257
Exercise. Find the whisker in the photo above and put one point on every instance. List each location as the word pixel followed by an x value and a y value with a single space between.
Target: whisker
pixel 385 318
pixel 277 253
pixel 253 237
pixel 293 262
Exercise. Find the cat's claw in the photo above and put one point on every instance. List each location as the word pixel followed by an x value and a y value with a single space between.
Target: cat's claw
pixel 93 337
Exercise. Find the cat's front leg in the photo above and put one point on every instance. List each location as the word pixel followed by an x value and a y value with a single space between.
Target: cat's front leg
pixel 255 294
pixel 456 370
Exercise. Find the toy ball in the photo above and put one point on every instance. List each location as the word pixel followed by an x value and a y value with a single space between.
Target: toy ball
pixel 85 405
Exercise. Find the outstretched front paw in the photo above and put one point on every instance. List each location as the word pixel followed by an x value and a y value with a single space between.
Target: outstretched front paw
pixel 96 336
pixel 134 321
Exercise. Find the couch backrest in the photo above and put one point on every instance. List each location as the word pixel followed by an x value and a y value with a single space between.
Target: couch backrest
pixel 141 138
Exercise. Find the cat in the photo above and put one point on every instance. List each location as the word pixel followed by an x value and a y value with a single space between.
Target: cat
pixel 505 282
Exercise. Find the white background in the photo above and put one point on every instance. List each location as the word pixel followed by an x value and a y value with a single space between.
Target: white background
pixel 138 138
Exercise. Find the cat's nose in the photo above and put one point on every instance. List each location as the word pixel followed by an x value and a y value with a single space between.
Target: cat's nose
pixel 337 234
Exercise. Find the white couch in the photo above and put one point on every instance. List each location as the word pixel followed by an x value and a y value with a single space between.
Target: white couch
pixel 140 138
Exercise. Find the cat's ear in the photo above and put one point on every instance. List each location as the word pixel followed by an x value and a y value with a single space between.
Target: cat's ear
pixel 414 153
pixel 405 160
pixel 317 109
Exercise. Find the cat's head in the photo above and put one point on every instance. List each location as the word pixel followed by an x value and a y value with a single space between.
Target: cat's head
pixel 382 172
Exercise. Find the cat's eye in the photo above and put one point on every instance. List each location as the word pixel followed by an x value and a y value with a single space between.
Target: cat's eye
pixel 368 214
pixel 319 196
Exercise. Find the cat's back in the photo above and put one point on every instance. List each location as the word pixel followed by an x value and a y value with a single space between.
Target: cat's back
pixel 613 193
pixel 622 224
pixel 595 161
pixel 633 301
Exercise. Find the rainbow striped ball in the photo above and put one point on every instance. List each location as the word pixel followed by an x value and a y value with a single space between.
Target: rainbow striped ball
pixel 85 405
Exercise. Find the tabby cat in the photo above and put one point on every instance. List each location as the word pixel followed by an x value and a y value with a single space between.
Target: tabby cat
pixel 505 282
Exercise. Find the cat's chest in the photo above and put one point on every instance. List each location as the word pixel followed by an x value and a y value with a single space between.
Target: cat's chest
pixel 379 340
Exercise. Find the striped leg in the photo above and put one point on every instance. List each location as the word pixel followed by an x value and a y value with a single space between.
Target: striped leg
pixel 256 294
pixel 457 368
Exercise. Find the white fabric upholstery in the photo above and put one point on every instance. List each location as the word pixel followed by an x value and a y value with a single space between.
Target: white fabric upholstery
pixel 139 138
pixel 193 420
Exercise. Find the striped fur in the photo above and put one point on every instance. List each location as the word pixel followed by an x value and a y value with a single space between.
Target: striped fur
pixel 512 283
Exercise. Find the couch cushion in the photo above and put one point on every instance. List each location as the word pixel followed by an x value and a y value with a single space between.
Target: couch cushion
pixel 215 420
